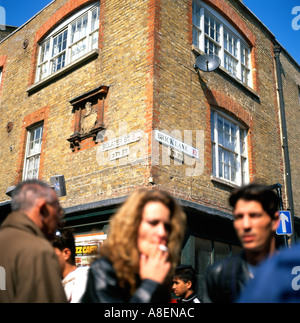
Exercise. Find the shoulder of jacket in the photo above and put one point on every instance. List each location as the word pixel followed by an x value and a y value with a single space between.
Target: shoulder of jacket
pixel 223 264
pixel 102 267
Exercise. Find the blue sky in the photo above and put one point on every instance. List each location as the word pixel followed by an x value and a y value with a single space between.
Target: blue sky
pixel 275 14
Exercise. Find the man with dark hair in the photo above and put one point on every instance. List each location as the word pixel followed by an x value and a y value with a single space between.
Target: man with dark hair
pixel 74 278
pixel 256 218
pixel 32 269
pixel 184 284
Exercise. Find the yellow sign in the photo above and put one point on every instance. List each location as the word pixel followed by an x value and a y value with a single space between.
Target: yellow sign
pixel 86 250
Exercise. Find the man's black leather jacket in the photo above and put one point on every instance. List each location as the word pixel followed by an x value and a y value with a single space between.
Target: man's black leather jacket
pixel 225 279
pixel 103 287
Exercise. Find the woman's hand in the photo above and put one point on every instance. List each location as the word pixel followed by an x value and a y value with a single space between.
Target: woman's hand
pixel 156 266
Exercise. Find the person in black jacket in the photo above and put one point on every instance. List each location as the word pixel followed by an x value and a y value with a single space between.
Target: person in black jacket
pixel 256 218
pixel 138 258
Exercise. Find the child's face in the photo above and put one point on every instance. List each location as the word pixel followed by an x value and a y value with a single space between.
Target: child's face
pixel 180 288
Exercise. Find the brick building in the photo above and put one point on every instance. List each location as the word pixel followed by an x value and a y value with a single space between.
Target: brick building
pixel 109 95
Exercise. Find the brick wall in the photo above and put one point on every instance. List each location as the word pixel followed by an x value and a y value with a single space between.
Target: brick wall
pixel 186 100
pixel 146 58
pixel 291 82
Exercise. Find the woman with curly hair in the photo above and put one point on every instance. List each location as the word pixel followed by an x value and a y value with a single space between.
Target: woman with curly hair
pixel 142 250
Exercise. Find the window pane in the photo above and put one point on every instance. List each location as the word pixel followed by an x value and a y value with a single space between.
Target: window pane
pixel 212 125
pixel 196 15
pixel 214 162
pixel 244 170
pixel 196 37
pixel 35 141
pixel 227 140
pixel 45 51
pixel 229 155
pixel 95 18
pixel 58 63
pixel 230 43
pixel 242 141
pixel 226 165
pixel 221 164
pixel 59 43
pixel 245 75
pixel 211 48
pixel 79 49
pixel 94 40
pixel 44 70
pixel 33 167
pixel 212 27
pixel 220 131
pixel 245 55
pixel 79 29
pixel 33 150
pixel 233 165
pixel 230 64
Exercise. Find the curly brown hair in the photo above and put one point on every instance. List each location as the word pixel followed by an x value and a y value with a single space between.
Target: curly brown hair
pixel 121 245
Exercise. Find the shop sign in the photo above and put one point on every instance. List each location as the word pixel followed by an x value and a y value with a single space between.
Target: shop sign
pixel 87 247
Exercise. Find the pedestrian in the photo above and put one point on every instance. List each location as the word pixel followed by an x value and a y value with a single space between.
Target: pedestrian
pixel 138 258
pixel 26 254
pixel 277 279
pixel 256 218
pixel 185 284
pixel 74 278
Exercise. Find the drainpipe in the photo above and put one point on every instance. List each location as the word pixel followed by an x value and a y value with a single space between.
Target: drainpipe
pixel 277 50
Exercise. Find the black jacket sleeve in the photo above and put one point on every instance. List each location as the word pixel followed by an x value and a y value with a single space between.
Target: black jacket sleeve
pixel 225 280
pixel 102 287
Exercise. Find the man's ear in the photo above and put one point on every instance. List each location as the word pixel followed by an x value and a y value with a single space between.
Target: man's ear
pixel 66 253
pixel 276 220
pixel 39 213
pixel 189 284
pixel 43 208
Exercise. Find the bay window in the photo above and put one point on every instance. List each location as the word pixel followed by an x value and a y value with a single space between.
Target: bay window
pixel 70 41
pixel 215 36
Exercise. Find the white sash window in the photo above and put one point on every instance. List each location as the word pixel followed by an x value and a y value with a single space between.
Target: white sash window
pixel 229 149
pixel 71 40
pixel 33 152
pixel 213 35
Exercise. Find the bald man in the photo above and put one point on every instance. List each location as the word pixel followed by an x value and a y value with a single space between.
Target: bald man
pixel 26 254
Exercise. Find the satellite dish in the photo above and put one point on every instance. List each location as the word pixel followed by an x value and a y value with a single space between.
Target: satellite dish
pixel 207 63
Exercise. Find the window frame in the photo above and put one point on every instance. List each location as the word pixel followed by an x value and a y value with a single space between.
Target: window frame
pixel 37 153
pixel 239 151
pixel 239 66
pixel 47 59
